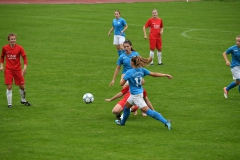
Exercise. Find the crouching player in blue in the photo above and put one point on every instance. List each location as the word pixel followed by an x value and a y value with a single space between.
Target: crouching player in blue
pixel 134 77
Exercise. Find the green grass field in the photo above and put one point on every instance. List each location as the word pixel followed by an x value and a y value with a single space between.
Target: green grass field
pixel 70 54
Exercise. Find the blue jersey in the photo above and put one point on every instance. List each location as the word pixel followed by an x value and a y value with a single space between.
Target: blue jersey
pixel 118 25
pixel 235 52
pixel 125 60
pixel 134 77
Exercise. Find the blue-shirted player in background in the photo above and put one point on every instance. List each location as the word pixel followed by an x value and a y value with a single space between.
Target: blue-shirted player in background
pixel 124 60
pixel 134 77
pixel 234 65
pixel 119 26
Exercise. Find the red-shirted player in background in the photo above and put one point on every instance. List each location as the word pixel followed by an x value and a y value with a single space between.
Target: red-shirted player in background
pixel 155 26
pixel 125 92
pixel 12 52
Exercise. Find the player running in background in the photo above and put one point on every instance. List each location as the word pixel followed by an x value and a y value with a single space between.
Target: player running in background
pixel 125 92
pixel 134 77
pixel 234 65
pixel 124 60
pixel 13 52
pixel 155 25
pixel 119 26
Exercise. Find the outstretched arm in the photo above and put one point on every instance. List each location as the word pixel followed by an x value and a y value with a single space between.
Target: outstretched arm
pixel 114 97
pixel 156 74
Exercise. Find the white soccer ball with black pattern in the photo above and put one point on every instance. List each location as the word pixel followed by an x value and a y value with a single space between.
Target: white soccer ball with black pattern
pixel 88 98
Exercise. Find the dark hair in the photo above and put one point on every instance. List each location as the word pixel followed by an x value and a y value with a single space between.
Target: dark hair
pixel 11 34
pixel 140 61
pixel 130 43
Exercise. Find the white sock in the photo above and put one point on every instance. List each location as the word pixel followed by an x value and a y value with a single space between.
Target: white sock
pixel 151 54
pixel 23 94
pixel 159 54
pixel 9 96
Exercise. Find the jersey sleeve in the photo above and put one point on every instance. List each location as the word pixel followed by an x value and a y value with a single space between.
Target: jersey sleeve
pixel 148 23
pixel 124 23
pixel 2 56
pixel 126 75
pixel 146 72
pixel 230 50
pixel 119 62
pixel 24 56
pixel 161 24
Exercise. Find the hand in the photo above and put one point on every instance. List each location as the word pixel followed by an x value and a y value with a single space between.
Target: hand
pixel 109 33
pixel 169 76
pixel 228 63
pixel 145 36
pixel 23 72
pixel 1 69
pixel 121 32
pixel 111 83
pixel 108 100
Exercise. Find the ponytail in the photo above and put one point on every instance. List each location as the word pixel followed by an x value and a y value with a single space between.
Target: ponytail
pixel 140 61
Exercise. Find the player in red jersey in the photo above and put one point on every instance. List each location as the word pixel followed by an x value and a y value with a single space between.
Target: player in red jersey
pixel 12 71
pixel 118 108
pixel 155 25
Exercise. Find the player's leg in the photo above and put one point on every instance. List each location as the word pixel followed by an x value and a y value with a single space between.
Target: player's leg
pixel 152 44
pixel 134 109
pixel 126 112
pixel 9 95
pixel 236 76
pixel 121 40
pixel 154 114
pixel 117 44
pixel 159 51
pixel 118 108
pixel 19 80
pixel 8 76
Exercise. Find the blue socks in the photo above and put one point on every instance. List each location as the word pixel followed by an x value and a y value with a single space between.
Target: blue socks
pixel 231 85
pixel 156 116
pixel 126 113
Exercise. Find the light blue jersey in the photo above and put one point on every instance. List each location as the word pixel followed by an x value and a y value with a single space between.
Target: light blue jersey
pixel 125 60
pixel 235 52
pixel 118 25
pixel 134 77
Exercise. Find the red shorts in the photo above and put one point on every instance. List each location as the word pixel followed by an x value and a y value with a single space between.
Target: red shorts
pixel 16 75
pixel 123 101
pixel 155 43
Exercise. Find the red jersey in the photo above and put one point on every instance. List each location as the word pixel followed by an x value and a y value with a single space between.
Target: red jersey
pixel 13 56
pixel 155 27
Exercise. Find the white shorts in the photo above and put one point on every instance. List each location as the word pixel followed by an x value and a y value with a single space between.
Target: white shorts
pixel 236 73
pixel 137 100
pixel 118 39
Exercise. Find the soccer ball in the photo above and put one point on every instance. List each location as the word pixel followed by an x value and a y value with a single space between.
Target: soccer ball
pixel 88 98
